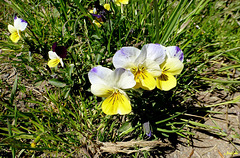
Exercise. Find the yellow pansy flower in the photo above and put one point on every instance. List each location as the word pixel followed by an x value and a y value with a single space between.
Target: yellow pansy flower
pixel 19 25
pixel 110 84
pixel 55 59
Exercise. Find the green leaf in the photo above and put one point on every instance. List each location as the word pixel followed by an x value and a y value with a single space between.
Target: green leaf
pixel 57 83
pixel 13 92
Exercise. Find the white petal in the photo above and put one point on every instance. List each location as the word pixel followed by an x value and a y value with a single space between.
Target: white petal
pixel 174 52
pixel 11 29
pixel 123 78
pixel 125 57
pixel 153 68
pixel 100 75
pixel 101 90
pixel 20 24
pixel 61 61
pixel 155 52
pixel 53 55
pixel 142 57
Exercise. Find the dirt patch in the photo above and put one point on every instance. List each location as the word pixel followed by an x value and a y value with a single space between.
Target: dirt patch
pixel 207 144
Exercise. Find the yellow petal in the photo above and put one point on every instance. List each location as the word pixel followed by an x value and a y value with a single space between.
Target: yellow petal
pixel 15 37
pixel 124 1
pixel 166 81
pixel 117 103
pixel 53 62
pixel 117 2
pixel 145 80
pixel 107 6
pixel 173 66
pixel 99 24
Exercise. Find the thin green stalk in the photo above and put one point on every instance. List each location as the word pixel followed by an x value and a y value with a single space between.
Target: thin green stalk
pixel 155 3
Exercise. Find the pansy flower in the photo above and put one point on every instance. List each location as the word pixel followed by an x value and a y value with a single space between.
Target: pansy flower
pixel 19 25
pixel 99 18
pixel 144 64
pixel 110 84
pixel 99 12
pixel 56 55
pixel 172 66
pixel 119 2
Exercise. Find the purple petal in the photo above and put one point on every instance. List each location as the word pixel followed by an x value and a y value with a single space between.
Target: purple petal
pixel 95 70
pixel 179 53
pixel 123 52
pixel 97 16
pixel 61 51
pixel 15 17
pixel 54 46
pixel 23 21
pixel 149 134
pixel 178 49
pixel 174 52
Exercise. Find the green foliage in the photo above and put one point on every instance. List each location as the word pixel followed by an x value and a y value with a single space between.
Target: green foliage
pixel 64 118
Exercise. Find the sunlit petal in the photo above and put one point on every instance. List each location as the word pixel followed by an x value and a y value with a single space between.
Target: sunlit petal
pixel 100 75
pixel 117 103
pixel 155 52
pixel 146 80
pixel 12 29
pixel 124 79
pixel 174 52
pixel 53 62
pixel 15 37
pixel 117 2
pixel 52 55
pixel 142 57
pixel 107 6
pixel 125 57
pixel 153 68
pixel 166 82
pixel 123 1
pixel 101 90
pixel 173 66
pixel 20 24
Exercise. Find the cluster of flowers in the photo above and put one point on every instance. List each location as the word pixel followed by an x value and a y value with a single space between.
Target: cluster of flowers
pixel 152 66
